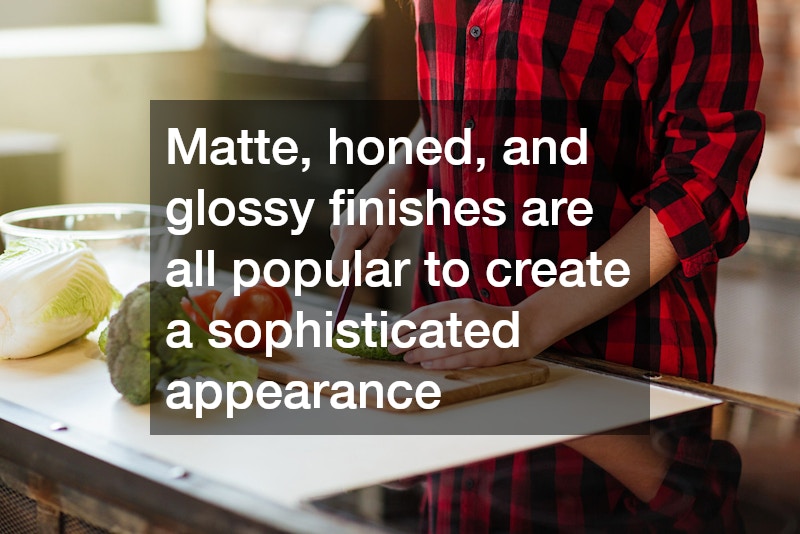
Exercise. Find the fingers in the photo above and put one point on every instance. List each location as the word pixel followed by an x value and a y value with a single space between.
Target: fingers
pixel 373 247
pixel 347 240
pixel 409 338
pixel 336 232
pixel 419 355
pixel 373 240
pixel 366 233
pixel 378 246
pixel 454 352
pixel 433 312
pixel 455 358
pixel 474 358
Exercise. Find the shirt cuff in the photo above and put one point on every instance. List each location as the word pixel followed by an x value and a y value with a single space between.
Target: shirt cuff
pixel 685 224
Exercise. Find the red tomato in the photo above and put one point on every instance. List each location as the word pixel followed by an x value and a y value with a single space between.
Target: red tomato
pixel 283 294
pixel 205 301
pixel 259 304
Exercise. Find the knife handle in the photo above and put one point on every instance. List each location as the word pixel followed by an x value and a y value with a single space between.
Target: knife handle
pixel 347 296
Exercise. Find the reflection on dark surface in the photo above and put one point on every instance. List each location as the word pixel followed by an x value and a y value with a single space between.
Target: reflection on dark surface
pixel 682 477
pixel 559 489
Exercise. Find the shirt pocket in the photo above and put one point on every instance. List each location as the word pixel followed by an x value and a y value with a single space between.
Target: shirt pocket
pixel 566 17
pixel 567 42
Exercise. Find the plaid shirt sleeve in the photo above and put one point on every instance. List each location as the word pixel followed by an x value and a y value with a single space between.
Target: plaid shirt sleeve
pixel 702 75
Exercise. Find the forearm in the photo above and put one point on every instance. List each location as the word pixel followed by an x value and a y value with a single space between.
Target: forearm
pixel 556 311
pixel 553 312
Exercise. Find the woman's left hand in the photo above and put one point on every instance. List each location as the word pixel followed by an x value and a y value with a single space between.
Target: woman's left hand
pixel 456 353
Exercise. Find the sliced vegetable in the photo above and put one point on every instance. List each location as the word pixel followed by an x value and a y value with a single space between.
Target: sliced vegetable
pixel 362 350
pixel 51 292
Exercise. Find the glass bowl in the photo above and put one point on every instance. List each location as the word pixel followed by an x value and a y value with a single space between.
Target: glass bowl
pixel 132 241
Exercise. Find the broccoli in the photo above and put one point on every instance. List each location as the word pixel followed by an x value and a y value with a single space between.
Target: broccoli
pixel 138 355
pixel 362 350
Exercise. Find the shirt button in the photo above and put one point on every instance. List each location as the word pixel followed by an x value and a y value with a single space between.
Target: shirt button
pixel 469 484
pixel 485 293
pixel 470 124
pixel 475 31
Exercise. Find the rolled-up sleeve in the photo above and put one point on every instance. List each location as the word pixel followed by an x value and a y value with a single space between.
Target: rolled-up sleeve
pixel 702 71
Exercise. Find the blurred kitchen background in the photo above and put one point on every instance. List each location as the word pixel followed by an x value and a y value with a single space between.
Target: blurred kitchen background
pixel 78 77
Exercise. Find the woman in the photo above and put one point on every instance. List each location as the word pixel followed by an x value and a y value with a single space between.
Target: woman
pixel 666 90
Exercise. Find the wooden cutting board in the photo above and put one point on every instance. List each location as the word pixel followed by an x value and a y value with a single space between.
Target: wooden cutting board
pixel 309 364
pixel 456 386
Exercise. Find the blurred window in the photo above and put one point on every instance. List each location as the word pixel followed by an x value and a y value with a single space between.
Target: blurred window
pixel 306 32
pixel 44 28
pixel 40 13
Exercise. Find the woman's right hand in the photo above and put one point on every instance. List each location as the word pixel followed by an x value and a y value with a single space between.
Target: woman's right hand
pixel 372 238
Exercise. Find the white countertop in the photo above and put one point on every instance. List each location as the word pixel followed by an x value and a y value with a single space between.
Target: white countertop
pixel 72 386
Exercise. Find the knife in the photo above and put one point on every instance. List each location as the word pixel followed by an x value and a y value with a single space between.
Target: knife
pixel 347 296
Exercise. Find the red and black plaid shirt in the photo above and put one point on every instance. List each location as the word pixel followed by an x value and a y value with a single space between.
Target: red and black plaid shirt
pixel 666 90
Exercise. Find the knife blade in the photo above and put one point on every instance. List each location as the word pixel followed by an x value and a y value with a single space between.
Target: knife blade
pixel 347 296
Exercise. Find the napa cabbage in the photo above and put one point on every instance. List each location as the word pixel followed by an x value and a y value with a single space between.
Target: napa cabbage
pixel 51 292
